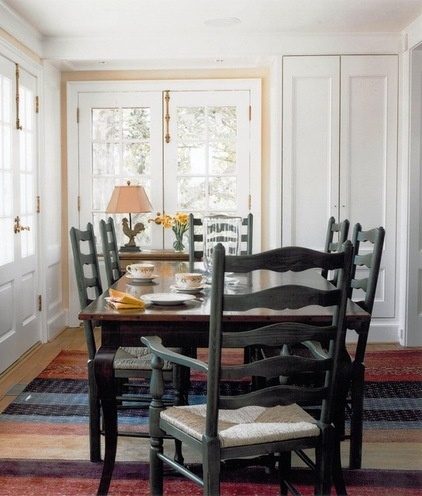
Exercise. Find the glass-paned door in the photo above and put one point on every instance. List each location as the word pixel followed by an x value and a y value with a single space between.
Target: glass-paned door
pixel 189 149
pixel 19 315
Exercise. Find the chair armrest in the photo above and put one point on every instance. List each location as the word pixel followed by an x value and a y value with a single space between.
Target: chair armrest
pixel 155 345
pixel 316 349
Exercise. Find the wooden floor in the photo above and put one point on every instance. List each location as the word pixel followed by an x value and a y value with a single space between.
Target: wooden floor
pixel 376 455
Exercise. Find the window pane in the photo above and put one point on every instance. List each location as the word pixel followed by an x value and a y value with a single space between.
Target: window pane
pixel 105 124
pixel 223 158
pixel 222 122
pixel 222 194
pixel 136 159
pixel 191 158
pixel 105 159
pixel 136 123
pixel 191 122
pixel 191 194
pixel 102 188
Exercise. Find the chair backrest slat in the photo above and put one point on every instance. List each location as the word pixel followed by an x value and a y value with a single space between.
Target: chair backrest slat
pixel 110 251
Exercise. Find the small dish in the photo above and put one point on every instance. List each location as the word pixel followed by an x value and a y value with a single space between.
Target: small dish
pixel 141 279
pixel 190 290
pixel 167 298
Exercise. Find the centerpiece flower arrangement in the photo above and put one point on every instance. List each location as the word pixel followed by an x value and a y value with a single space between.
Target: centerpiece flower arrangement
pixel 179 224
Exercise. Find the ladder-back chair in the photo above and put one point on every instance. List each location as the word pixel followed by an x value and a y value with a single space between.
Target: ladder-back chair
pixel 129 362
pixel 368 247
pixel 269 420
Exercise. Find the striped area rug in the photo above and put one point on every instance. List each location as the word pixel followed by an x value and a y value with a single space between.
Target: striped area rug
pixel 393 396
pixel 44 436
pixel 80 478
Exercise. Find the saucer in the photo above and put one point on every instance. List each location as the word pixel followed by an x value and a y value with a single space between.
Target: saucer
pixel 140 280
pixel 166 298
pixel 198 289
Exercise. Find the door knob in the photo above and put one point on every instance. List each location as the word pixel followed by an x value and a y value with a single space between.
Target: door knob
pixel 18 228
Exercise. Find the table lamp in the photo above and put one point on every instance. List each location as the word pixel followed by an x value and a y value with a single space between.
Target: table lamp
pixel 129 199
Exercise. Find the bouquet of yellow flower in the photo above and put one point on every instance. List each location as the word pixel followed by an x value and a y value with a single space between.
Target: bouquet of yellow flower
pixel 179 225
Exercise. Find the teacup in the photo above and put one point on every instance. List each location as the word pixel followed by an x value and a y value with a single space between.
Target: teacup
pixel 189 280
pixel 141 271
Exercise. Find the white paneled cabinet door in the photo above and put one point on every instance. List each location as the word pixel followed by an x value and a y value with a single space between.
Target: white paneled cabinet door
pixel 368 158
pixel 19 315
pixel 340 152
pixel 310 148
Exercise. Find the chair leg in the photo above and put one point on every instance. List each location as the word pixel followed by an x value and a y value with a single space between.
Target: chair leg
pixel 156 466
pixel 356 421
pixel 211 468
pixel 178 453
pixel 284 471
pixel 337 469
pixel 94 416
pixel 324 461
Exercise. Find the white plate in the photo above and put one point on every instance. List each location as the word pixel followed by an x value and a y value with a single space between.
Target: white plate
pixel 191 290
pixel 167 298
pixel 141 279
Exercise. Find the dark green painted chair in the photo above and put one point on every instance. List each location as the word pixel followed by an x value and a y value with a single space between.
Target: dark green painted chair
pixel 368 246
pixel 129 363
pixel 266 421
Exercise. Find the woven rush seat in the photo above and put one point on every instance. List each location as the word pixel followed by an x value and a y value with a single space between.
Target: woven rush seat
pixel 247 425
pixel 136 358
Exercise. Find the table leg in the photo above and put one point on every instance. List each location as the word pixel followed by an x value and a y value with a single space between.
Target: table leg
pixel 104 375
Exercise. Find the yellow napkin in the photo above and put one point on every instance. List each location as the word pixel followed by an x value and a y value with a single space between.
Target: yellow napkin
pixel 124 301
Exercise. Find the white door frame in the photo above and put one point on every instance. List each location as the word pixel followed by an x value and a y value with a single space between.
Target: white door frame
pixel 74 87
pixel 412 335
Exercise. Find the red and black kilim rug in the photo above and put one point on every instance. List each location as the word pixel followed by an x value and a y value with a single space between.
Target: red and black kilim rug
pixel 44 437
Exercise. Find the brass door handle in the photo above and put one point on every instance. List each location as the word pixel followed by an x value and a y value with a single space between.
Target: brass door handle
pixel 18 228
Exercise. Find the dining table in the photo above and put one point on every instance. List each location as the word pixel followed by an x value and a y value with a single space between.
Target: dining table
pixel 181 319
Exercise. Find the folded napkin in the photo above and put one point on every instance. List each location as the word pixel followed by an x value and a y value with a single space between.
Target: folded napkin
pixel 124 301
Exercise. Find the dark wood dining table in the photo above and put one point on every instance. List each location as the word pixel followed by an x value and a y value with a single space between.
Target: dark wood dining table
pixel 186 325
pixel 183 326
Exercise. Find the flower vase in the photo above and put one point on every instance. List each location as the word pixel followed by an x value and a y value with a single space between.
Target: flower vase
pixel 178 244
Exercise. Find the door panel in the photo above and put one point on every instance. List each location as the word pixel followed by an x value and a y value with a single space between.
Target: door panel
pixel 310 148
pixel 368 157
pixel 19 315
